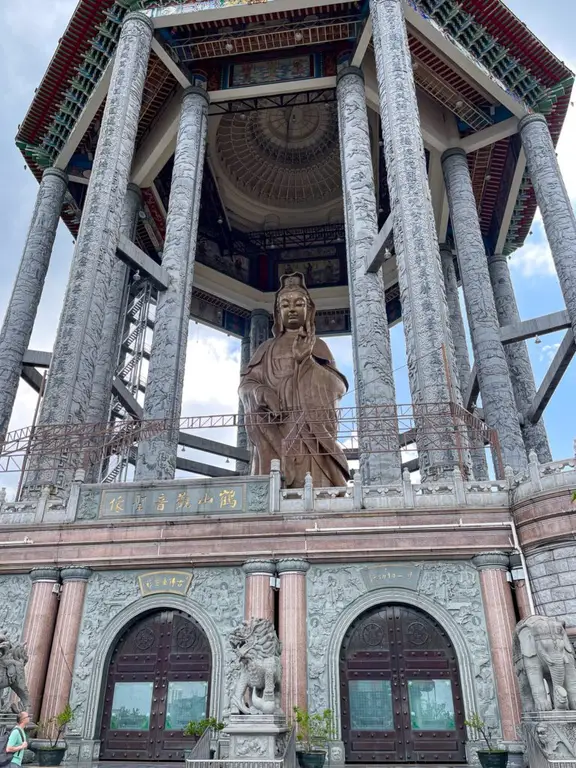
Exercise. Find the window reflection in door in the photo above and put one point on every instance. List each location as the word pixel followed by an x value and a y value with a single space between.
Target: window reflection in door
pixel 431 705
pixel 187 700
pixel 371 705
pixel 131 707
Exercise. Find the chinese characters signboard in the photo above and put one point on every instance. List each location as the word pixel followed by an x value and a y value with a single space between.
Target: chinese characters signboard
pixel 174 582
pixel 391 576
pixel 171 502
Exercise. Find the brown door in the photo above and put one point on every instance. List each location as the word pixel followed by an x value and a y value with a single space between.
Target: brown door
pixel 400 690
pixel 158 680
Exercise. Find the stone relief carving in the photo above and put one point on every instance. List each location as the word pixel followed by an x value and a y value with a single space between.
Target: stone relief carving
pixel 15 591
pixel 257 650
pixel 88 504
pixel 258 497
pixel 13 659
pixel 220 592
pixel 543 652
pixel 250 747
pixel 452 586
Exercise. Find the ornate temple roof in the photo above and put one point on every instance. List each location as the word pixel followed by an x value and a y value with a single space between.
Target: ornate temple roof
pixel 485 30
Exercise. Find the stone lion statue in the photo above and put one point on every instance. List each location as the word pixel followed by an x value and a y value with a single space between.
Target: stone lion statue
pixel 258 650
pixel 13 659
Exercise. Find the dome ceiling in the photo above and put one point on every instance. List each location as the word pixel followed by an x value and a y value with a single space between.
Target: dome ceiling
pixel 285 157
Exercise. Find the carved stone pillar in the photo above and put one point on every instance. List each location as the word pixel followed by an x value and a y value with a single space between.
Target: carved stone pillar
pixel 259 329
pixel 479 465
pixel 27 290
pixel 519 365
pixel 554 203
pixel 373 375
pixel 39 631
pixel 110 338
pixel 425 314
pixel 292 626
pixel 259 600
pixel 78 340
pixel 500 620
pixel 242 436
pixel 498 402
pixel 59 677
pixel 157 455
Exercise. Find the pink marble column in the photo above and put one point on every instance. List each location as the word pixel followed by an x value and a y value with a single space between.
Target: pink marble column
pixel 259 597
pixel 59 677
pixel 39 631
pixel 292 626
pixel 500 620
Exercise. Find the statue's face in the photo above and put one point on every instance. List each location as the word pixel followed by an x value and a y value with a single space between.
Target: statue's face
pixel 293 310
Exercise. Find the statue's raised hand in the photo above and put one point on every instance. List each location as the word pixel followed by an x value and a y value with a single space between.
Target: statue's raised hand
pixel 302 347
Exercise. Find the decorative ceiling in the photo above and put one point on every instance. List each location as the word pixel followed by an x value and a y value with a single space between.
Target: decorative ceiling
pixel 288 156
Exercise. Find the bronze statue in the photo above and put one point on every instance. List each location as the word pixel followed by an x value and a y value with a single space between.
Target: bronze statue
pixel 289 390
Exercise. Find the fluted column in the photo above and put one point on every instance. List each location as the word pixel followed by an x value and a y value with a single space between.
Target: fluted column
pixel 498 402
pixel 425 314
pixel 259 329
pixel 292 625
pixel 39 631
pixel 59 677
pixel 78 339
pixel 157 455
pixel 110 337
pixel 519 365
pixel 242 435
pixel 554 203
pixel 372 356
pixel 500 620
pixel 479 465
pixel 27 290
pixel 259 597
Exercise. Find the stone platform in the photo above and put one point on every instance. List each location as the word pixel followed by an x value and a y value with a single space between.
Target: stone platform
pixel 256 737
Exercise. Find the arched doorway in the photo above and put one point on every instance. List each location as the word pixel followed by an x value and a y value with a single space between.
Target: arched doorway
pixel 400 691
pixel 158 680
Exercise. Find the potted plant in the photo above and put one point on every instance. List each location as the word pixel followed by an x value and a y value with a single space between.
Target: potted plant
pixel 492 757
pixel 313 733
pixel 198 727
pixel 50 751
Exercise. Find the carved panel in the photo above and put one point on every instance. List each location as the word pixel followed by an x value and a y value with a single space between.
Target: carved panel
pixel 15 591
pixel 449 592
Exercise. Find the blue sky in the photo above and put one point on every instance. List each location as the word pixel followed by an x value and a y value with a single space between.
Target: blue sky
pixel 30 37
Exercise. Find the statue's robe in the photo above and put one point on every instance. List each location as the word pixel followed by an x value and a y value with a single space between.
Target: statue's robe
pixel 304 437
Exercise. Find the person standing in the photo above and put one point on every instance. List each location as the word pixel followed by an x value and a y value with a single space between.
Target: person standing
pixel 17 740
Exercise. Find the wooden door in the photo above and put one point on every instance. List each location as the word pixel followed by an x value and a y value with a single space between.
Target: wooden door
pixel 400 691
pixel 158 680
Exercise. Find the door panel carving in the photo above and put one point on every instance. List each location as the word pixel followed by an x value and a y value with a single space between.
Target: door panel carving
pixel 158 680
pixel 400 691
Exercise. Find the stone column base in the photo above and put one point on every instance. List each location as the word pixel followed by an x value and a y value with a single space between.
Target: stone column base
pixel 256 737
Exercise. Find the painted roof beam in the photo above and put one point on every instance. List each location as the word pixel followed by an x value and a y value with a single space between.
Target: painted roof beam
pixel 83 123
pixel 475 73
pixel 233 12
pixel 561 361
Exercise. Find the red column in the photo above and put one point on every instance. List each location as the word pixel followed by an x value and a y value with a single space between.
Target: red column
pixel 500 620
pixel 39 631
pixel 59 677
pixel 292 624
pixel 259 599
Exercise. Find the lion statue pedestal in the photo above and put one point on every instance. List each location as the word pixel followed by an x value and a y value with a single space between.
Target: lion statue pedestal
pixel 544 663
pixel 257 726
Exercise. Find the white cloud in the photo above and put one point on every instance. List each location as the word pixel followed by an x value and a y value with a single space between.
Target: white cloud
pixel 533 260
pixel 548 351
